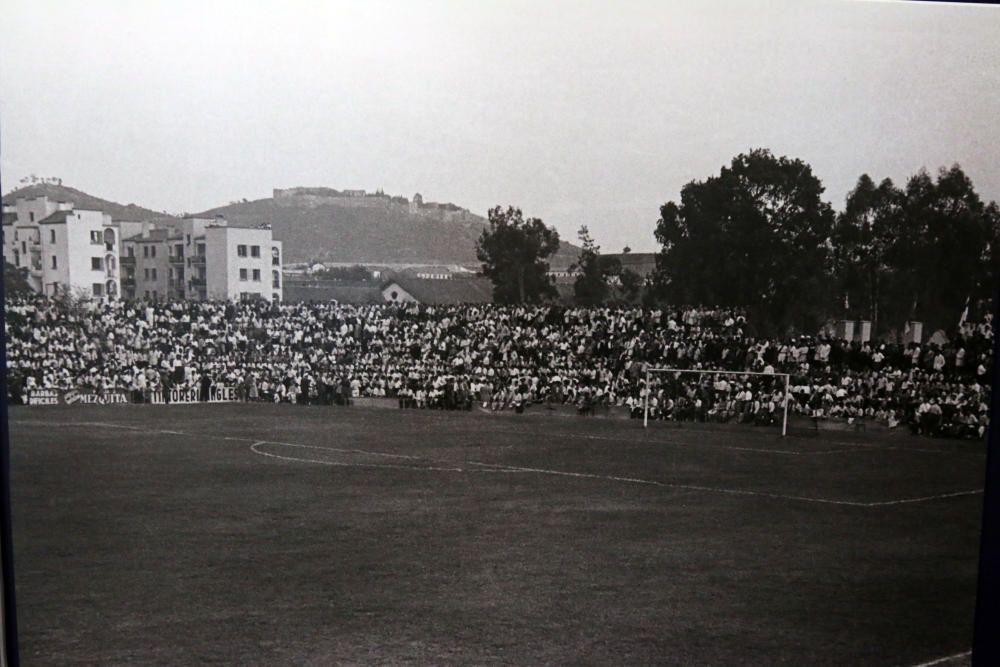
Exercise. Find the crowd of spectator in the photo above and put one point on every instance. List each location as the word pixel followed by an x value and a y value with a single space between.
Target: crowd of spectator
pixel 499 358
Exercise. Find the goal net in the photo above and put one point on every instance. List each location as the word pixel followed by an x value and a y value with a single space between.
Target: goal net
pixel 744 397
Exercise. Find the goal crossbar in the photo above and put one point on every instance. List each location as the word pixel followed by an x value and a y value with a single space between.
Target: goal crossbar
pixel 694 371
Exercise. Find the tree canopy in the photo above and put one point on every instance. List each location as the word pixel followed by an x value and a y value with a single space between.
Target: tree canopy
pixel 15 281
pixel 917 253
pixel 755 236
pixel 513 251
pixel 596 272
pixel 759 236
pixel 864 249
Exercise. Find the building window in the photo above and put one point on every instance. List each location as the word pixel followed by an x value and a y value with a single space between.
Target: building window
pixel 275 260
pixel 130 251
pixel 55 262
pixel 145 251
pixel 241 250
pixel 52 236
pixel 256 275
pixel 147 294
pixel 145 275
pixel 95 237
pixel 97 289
pixel 275 280
pixel 96 264
pixel 154 278
pixel 255 251
pixel 188 237
pixel 243 274
pixel 24 247
pixel 31 217
pixel 152 253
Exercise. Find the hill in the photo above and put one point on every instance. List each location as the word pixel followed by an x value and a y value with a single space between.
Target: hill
pixel 326 225
pixel 82 200
pixel 317 226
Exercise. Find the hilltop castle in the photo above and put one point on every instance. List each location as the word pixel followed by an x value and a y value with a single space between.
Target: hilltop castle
pixel 319 196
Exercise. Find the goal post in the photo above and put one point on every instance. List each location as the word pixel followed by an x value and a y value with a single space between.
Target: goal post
pixel 690 371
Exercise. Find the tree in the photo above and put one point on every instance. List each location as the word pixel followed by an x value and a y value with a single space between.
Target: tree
pixel 630 285
pixel 596 272
pixel 989 260
pixel 513 252
pixel 755 236
pixel 945 232
pixel 16 281
pixel 863 241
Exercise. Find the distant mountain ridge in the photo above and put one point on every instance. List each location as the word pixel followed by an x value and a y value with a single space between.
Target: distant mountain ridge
pixel 327 225
pixel 82 200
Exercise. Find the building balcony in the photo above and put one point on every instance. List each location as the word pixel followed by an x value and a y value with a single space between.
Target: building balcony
pixel 176 259
pixel 197 260
pixel 197 282
pixel 128 280
pixel 127 261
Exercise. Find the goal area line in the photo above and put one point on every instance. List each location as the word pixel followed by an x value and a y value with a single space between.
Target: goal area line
pixel 659 370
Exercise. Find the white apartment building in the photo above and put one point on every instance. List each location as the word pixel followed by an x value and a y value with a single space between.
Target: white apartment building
pixel 242 263
pixel 192 258
pixel 62 248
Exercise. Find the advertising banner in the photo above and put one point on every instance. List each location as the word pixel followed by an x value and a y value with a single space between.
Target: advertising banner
pixel 185 396
pixel 119 396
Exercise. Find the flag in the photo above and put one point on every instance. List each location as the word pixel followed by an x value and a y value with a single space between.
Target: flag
pixel 965 313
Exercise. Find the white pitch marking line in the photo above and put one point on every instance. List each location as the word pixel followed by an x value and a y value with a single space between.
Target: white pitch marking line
pixel 944 659
pixel 921 499
pixel 848 445
pixel 672 485
pixel 511 469
pixel 633 480
pixel 255 450
pixel 659 441
pixel 582 475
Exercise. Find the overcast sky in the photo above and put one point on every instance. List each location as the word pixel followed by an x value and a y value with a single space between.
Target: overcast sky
pixel 578 112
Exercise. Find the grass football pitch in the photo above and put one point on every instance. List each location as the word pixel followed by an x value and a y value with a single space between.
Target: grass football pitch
pixel 278 534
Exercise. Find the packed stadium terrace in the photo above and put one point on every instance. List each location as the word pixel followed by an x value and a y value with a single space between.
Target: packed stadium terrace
pixel 497 358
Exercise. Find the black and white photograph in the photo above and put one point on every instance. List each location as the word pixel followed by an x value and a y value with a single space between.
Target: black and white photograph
pixel 429 332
